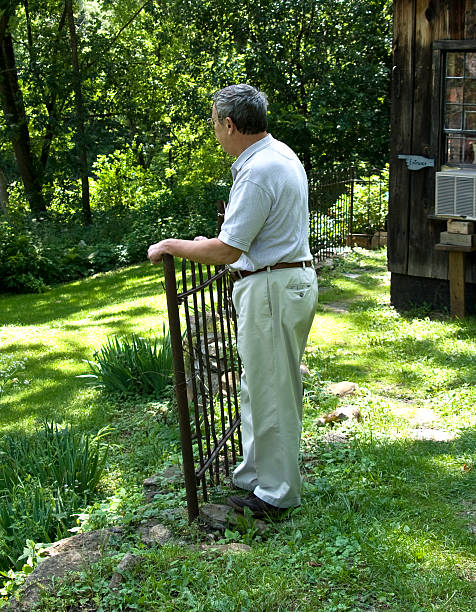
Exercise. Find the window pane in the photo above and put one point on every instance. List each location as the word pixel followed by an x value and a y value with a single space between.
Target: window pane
pixel 455 64
pixel 454 149
pixel 471 65
pixel 454 91
pixel 470 151
pixel 470 91
pixel 454 117
pixel 470 118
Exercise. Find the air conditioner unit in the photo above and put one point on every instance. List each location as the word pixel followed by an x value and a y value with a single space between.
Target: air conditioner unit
pixel 456 194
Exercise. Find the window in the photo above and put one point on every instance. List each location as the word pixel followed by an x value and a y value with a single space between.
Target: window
pixel 459 108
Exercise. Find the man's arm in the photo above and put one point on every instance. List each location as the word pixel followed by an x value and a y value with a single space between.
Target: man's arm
pixel 205 251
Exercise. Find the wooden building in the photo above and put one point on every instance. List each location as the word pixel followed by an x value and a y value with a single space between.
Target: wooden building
pixel 433 137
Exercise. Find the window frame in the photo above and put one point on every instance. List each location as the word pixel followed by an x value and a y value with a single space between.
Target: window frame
pixel 438 136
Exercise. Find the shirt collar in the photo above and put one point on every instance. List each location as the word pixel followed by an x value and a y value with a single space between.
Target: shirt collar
pixel 249 152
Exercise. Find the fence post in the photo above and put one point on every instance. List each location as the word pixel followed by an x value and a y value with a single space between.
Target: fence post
pixel 181 387
pixel 351 212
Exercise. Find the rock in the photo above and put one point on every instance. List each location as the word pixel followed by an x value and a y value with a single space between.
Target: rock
pixel 221 517
pixel 154 485
pixel 228 378
pixel 340 414
pixel 233 547
pixel 154 533
pixel 435 435
pixel 342 388
pixel 336 307
pixel 127 563
pixel 68 555
pixel 337 437
pixel 325 263
pixel 305 371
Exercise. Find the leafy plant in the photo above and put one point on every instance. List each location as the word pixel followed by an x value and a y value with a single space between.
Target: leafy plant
pixel 44 479
pixel 133 365
pixel 370 204
pixel 10 369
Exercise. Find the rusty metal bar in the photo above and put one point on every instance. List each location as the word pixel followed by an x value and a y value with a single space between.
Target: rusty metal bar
pixel 206 366
pixel 226 436
pixel 180 387
pixel 181 296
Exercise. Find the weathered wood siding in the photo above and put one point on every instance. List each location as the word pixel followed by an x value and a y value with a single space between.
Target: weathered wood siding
pixel 415 115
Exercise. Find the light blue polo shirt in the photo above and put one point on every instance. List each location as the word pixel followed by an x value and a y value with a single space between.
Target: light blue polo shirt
pixel 267 214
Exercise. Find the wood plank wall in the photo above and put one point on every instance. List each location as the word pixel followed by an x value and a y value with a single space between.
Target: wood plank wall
pixel 412 235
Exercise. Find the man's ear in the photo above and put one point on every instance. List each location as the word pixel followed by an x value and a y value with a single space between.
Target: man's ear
pixel 230 126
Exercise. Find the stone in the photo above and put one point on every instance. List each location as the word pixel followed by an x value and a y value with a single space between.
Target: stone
pixel 127 563
pixel 343 413
pixel 379 240
pixel 342 388
pixel 154 533
pixel 305 371
pixel 336 307
pixel 153 485
pixel 221 517
pixel 434 435
pixel 335 438
pixel 325 263
pixel 233 547
pixel 68 555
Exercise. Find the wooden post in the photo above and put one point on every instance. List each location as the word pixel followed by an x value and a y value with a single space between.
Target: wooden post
pixel 456 276
pixel 457 284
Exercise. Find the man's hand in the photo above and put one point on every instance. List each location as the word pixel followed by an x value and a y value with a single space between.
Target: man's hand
pixel 157 251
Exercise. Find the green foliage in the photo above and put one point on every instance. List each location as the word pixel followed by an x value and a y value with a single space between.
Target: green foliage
pixel 34 255
pixel 11 371
pixel 21 261
pixel 148 72
pixel 370 204
pixel 120 182
pixel 43 480
pixel 133 365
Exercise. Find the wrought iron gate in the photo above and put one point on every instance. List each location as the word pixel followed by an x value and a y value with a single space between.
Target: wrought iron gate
pixel 207 369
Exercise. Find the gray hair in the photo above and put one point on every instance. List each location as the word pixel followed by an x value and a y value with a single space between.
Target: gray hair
pixel 246 106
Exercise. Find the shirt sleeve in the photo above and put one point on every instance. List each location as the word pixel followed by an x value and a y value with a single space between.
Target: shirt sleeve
pixel 245 215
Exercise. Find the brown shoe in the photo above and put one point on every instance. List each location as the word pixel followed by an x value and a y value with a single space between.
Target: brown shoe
pixel 258 507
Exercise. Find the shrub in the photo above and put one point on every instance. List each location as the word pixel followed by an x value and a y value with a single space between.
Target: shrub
pixel 21 261
pixel 133 365
pixel 370 203
pixel 44 479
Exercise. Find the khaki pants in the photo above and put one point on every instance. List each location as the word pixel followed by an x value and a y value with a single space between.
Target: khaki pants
pixel 275 310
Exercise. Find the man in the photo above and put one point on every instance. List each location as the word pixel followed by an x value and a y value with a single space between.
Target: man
pixel 264 240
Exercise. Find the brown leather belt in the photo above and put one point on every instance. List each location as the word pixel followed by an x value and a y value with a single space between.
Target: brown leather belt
pixel 239 274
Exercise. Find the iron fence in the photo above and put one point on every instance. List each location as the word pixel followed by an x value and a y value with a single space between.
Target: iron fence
pixel 344 204
pixel 207 369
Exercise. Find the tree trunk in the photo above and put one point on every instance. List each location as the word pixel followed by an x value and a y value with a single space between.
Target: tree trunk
pixel 16 119
pixel 3 193
pixel 81 132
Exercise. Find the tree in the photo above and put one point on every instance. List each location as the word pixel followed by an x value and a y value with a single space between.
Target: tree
pixel 15 115
pixel 80 113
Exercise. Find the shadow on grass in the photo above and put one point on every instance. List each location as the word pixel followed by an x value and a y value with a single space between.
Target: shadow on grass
pixel 403 501
pixel 55 352
pixel 392 353
pixel 66 301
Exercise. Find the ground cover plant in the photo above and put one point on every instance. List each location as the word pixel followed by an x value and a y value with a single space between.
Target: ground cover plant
pixel 389 509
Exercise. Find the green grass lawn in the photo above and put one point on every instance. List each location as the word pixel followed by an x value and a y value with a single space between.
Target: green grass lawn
pixel 56 331
pixel 388 519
